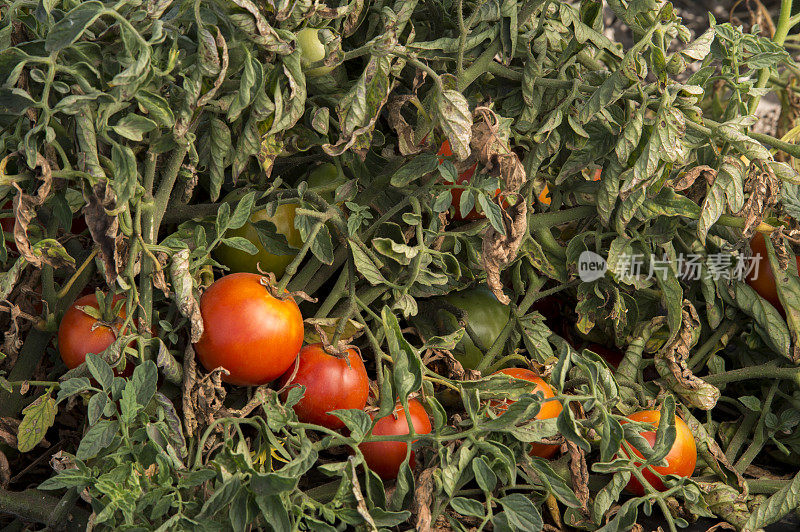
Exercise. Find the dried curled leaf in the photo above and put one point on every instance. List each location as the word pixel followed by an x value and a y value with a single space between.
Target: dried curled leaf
pixel 183 285
pixel 104 227
pixel 406 142
pixel 25 211
pixel 764 188
pixel 688 179
pixel 670 362
pixel 497 158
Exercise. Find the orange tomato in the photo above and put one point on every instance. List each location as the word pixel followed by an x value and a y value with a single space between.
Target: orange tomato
pixel 681 459
pixel 762 279
pixel 549 410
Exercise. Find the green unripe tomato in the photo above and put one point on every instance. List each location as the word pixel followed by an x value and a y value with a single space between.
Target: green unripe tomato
pixel 486 315
pixel 311 50
pixel 241 261
pixel 324 180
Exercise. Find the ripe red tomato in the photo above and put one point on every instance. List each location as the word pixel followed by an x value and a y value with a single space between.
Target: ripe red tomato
pixel 385 457
pixel 762 279
pixel 549 410
pixel 463 178
pixel 78 336
pixel 681 459
pixel 331 383
pixel 252 334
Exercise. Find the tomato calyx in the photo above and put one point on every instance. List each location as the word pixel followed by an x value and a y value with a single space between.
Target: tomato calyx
pixel 269 281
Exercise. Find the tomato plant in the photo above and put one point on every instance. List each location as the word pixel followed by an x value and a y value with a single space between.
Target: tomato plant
pixel 386 457
pixel 487 317
pixel 247 331
pixel 681 458
pixel 549 410
pixel 331 383
pixel 138 117
pixel 463 178
pixel 241 261
pixel 80 333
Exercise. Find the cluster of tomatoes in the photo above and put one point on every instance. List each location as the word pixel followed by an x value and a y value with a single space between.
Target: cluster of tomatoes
pixel 257 337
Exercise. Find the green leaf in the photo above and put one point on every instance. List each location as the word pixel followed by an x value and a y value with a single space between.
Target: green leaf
pixel 127 404
pixel 569 428
pixel 274 512
pixel 456 121
pixel 133 127
pixel 771 325
pixel 493 213
pixel 357 421
pixel 468 507
pixel 220 142
pixel 521 513
pixel 240 243
pixel 407 373
pixel 322 245
pixel 100 370
pixel 484 475
pixel 37 417
pixel 222 497
pixel 67 30
pixel 419 166
pixel 241 214
pixel 609 494
pixel 97 438
pixel 96 406
pixel 365 266
pixel 776 506
pixel 72 386
pixel 223 218
pixel 727 189
pixel 609 92
pixel 125 172
pixel 157 107
pixel 14 101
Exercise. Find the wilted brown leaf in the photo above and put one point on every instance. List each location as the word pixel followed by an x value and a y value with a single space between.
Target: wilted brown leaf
pixel 670 362
pixel 184 296
pixel 104 227
pixel 764 189
pixel 423 497
pixel 25 211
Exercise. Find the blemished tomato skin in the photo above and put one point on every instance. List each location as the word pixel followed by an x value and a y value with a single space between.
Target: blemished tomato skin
pixel 240 261
pixel 549 410
pixel 247 331
pixel 681 459
pixel 762 279
pixel 487 317
pixel 76 338
pixel 463 178
pixel 331 384
pixel 386 457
